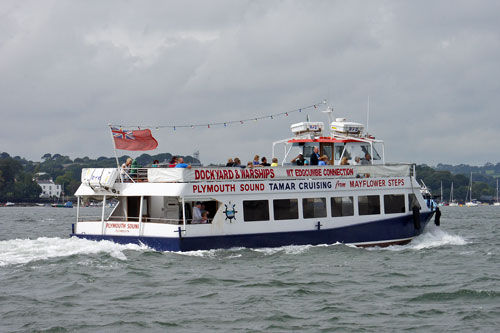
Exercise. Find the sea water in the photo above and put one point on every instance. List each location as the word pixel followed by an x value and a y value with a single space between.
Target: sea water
pixel 447 279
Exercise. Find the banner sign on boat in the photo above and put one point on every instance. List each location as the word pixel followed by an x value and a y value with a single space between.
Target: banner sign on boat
pixel 298 185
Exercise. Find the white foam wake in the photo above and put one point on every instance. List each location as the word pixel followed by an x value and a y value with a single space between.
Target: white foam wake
pixel 22 251
pixel 435 237
pixel 432 237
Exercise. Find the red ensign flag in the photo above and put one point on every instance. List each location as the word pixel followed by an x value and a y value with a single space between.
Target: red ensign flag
pixel 133 140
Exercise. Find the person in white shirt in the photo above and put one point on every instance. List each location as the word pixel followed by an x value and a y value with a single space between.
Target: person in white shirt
pixel 197 212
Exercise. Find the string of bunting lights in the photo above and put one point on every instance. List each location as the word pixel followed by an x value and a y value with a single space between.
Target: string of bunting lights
pixel 226 123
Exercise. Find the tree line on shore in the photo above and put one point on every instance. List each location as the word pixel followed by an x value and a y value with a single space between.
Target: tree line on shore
pixel 17 175
pixel 483 180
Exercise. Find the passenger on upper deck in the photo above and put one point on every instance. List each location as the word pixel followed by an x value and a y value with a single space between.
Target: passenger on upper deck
pixel 256 160
pixel 314 159
pixel 230 162
pixel 275 162
pixel 173 162
pixel 299 160
pixel 264 162
pixel 323 160
pixel 367 160
pixel 237 162
pixel 126 167
pixel 250 165
pixel 344 161
pixel 133 168
pixel 181 164
pixel 155 164
pixel 357 161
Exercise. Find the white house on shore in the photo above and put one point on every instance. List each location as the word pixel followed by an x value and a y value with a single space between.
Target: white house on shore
pixel 49 189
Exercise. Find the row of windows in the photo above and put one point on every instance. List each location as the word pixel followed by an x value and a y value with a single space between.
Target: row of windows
pixel 288 209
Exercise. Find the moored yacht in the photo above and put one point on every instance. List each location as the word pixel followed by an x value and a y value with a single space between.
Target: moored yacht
pixel 471 202
pixel 453 202
pixel 365 203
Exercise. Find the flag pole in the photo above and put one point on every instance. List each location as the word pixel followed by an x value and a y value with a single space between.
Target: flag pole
pixel 116 154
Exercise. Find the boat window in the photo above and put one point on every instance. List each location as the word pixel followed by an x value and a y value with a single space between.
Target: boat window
pixel 342 206
pixel 412 201
pixel 366 149
pixel 314 207
pixel 394 203
pixel 308 150
pixel 209 206
pixel 255 210
pixel 286 209
pixel 369 204
pixel 326 149
pixel 338 151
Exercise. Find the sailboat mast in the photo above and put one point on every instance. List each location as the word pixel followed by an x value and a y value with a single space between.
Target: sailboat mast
pixel 470 190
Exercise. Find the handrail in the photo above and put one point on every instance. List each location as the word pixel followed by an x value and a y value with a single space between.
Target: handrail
pixel 90 218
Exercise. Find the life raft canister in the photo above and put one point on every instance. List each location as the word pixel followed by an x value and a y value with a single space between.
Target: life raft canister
pixel 416 217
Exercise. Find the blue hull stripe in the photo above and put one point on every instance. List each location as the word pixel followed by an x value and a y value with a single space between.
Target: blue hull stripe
pixel 380 232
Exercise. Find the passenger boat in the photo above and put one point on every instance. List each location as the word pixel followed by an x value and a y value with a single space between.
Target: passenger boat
pixel 370 204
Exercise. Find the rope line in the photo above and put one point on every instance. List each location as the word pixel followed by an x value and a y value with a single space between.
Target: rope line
pixel 223 123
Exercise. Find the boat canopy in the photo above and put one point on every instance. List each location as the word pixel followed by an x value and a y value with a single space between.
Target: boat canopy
pixel 347 139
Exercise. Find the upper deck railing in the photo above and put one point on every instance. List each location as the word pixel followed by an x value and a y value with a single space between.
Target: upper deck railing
pixel 107 177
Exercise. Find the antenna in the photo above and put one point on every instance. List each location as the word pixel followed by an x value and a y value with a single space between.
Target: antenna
pixel 329 112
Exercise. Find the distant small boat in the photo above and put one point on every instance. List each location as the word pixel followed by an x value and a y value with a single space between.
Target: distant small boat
pixel 497 203
pixel 68 204
pixel 9 204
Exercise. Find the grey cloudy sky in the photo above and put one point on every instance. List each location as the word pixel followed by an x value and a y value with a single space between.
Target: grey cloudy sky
pixel 431 69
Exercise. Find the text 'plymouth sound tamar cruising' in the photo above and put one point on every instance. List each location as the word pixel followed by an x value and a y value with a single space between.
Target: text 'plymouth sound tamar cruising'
pixel 355 198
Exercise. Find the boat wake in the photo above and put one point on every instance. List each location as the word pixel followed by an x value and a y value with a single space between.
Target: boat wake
pixel 22 251
pixel 237 252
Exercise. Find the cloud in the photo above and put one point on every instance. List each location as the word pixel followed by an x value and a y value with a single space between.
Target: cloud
pixel 430 69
